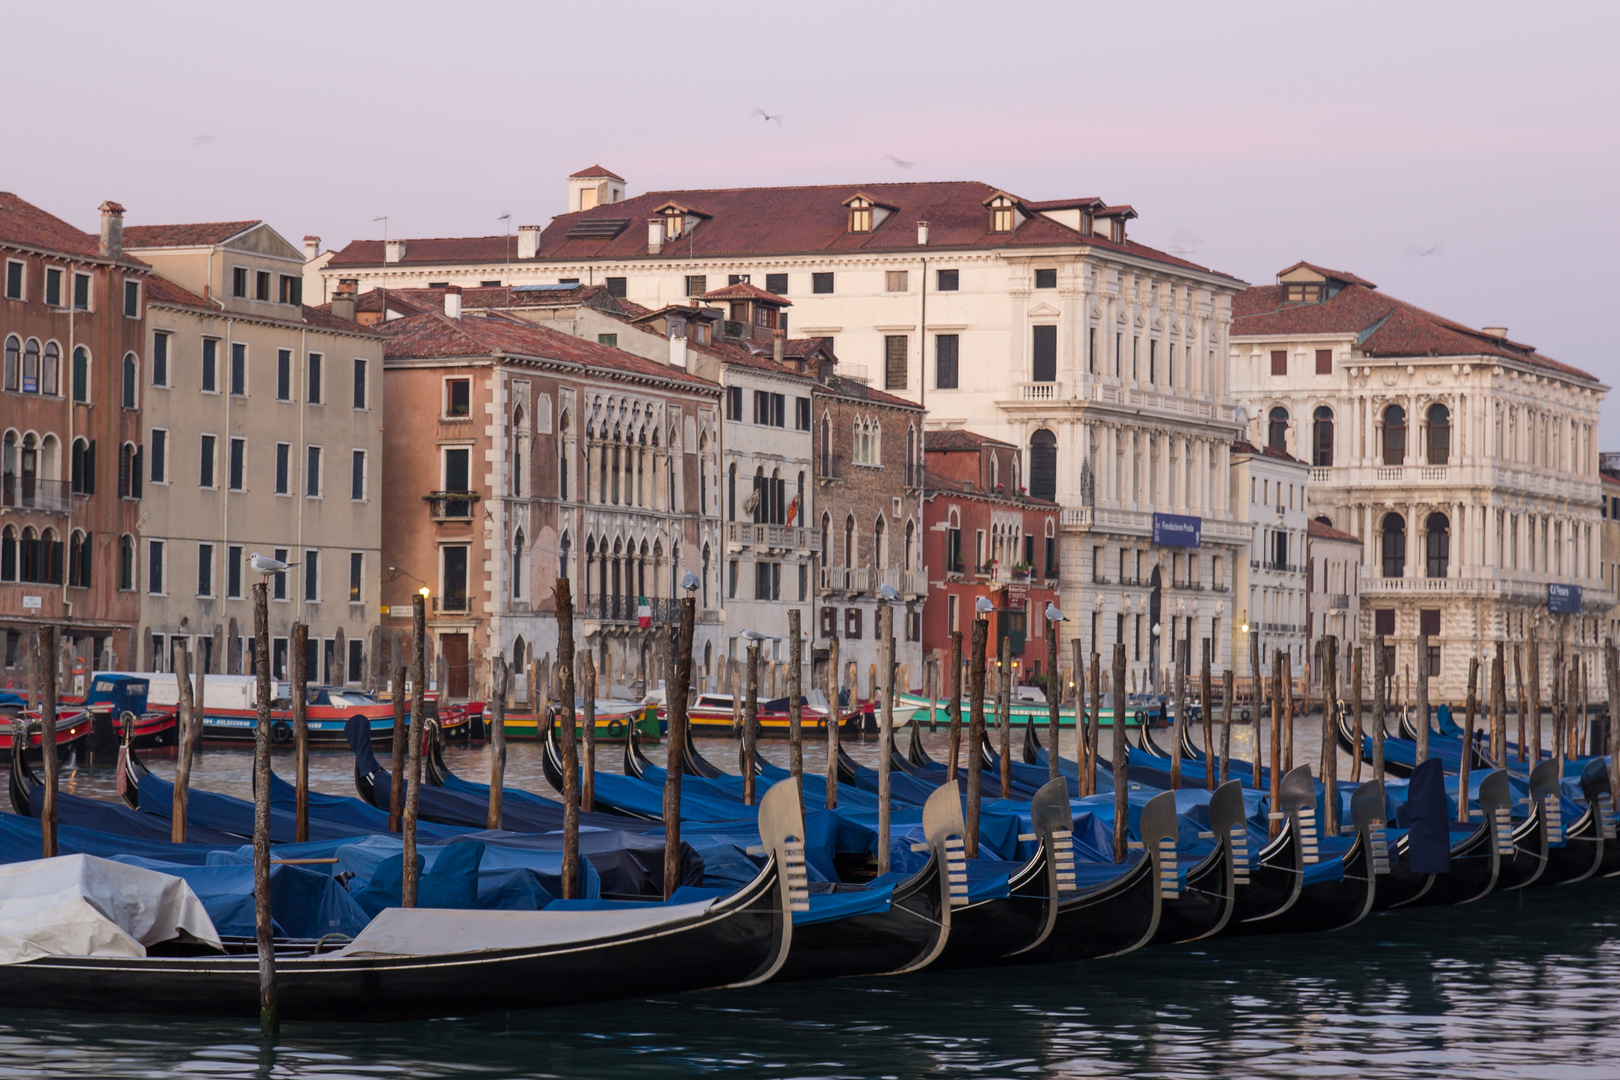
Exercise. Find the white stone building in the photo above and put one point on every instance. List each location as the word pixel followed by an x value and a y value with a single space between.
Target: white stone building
pixel 1465 461
pixel 1269 590
pixel 1333 598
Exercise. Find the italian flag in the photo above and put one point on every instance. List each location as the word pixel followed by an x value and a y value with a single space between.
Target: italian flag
pixel 643 612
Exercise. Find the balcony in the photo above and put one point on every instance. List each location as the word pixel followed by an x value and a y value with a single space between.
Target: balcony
pixel 860 581
pixel 1279 567
pixel 622 609
pixel 451 605
pixel 1039 391
pixel 450 505
pixel 835 579
pixel 742 534
pixel 27 493
pixel 1339 602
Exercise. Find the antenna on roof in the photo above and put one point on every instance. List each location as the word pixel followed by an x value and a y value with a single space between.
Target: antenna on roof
pixel 507 217
pixel 384 220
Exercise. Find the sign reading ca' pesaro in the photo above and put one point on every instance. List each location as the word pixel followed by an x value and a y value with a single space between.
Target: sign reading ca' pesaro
pixel 1564 599
pixel 1177 530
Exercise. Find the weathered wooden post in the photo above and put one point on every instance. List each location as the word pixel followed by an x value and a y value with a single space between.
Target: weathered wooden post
pixel 499 677
pixel 1380 724
pixel 1330 744
pixel 1518 678
pixel 1122 833
pixel 795 707
pixel 1277 707
pixel 1534 663
pixel 1469 710
pixel 975 737
pixel 413 748
pixel 269 1003
pixel 1205 705
pixel 954 708
pixel 47 737
pixel 1228 692
pixel 396 782
pixel 1255 693
pixel 1612 745
pixel 565 693
pixel 300 708
pixel 675 759
pixel 834 720
pixel 750 719
pixel 1054 699
pixel 1094 723
pixel 199 708
pixel 1422 698
pixel 885 733
pixel 1499 707
pixel 1178 687
pixel 1571 699
pixel 1004 714
pixel 1290 711
pixel 182 761
pixel 587 788
pixel 1355 710
pixel 736 704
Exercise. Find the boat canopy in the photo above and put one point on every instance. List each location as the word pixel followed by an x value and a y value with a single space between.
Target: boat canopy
pixel 79 905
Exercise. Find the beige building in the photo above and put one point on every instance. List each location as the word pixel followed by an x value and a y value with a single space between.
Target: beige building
pixel 1464 460
pixel 262 425
pixel 1269 585
pixel 1333 598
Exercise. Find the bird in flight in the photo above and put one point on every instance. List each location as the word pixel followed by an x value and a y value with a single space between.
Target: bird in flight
pixel 774 118
pixel 1416 252
pixel 898 162
pixel 268 566
pixel 202 140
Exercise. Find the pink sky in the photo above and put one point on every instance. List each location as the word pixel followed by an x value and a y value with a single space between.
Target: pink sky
pixel 1356 136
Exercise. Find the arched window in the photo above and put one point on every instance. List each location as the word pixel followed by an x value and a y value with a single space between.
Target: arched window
pixel 1439 434
pixel 79 560
pixel 126 562
pixel 520 438
pixel 517 566
pixel 130 380
pixel 797 517
pixel 30 367
pixel 1043 465
pixel 562 458
pixel 1323 519
pixel 826 445
pixel 911 458
pixel 880 544
pixel 705 578
pixel 50 558
pixel 13 364
pixel 81 374
pixel 28 563
pixel 849 542
pixel 995 471
pixel 1437 545
pixel 1322 437
pixel 1277 429
pixel 520 657
pixel 826 539
pixel 703 474
pixel 1394 545
pixel 81 467
pixel 564 550
pixel 911 540
pixel 50 369
pixel 1394 435
pixel 8 553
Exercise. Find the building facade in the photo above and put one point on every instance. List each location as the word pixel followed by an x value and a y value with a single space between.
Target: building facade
pixel 1038 323
pixel 1269 587
pixel 262 432
pixel 1334 595
pixel 1465 461
pixel 72 327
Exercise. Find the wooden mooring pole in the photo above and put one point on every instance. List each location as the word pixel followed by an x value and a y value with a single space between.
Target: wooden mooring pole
pixel 1004 683
pixel 675 757
pixel 954 706
pixel 885 734
pixel 182 761
pixel 47 668
pixel 834 720
pixel 975 735
pixel 1206 703
pixel 413 749
pixel 1228 691
pixel 564 596
pixel 750 730
pixel 499 678
pixel 269 1003
pixel 300 708
pixel 1121 757
pixel 1330 742
pixel 587 786
pixel 795 706
pixel 396 782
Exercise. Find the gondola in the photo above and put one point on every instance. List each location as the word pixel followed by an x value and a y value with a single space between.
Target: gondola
pixel 73 727
pixel 1589 839
pixel 1202 907
pixel 1338 905
pixel 1409 730
pixel 1533 835
pixel 1475 856
pixel 426 962
pixel 1345 727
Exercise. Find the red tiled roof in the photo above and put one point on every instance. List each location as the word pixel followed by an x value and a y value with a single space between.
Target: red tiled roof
pixel 161 290
pixel 413 300
pixel 1086 202
pixel 744 291
pixel 432 335
pixel 951 439
pixel 859 391
pixel 596 170
pixel 1319 531
pixel 23 223
pixel 322 318
pixel 195 235
pixel 1337 275
pixel 769 221
pixel 1383 325
pixel 1243 446
pixel 936 484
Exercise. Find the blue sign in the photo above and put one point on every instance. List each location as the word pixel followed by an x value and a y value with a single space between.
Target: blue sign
pixel 1176 530
pixel 1564 599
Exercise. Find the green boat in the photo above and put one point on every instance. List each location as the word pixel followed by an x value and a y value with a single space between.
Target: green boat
pixel 907 706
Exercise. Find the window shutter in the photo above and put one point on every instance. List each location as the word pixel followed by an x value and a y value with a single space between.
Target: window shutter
pixel 1279 361
pixel 894 362
pixel 829 622
pixel 946 354
pixel 90 468
pixel 1324 362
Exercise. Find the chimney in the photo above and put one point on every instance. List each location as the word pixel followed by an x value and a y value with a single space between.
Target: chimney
pixel 112 230
pixel 922 234
pixel 677 352
pixel 343 300
pixel 655 235
pixel 528 241
pixel 452 301
pixel 1498 332
pixel 312 248
pixel 777 337
pixel 393 251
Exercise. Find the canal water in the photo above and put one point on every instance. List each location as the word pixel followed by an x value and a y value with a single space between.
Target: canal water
pixel 1519 986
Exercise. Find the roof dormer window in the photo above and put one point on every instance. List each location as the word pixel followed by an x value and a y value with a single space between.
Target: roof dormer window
pixel 673 222
pixel 1304 293
pixel 1002 218
pixel 860 215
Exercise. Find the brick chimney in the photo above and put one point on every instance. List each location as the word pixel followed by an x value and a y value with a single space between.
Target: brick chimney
pixel 343 299
pixel 452 301
pixel 112 230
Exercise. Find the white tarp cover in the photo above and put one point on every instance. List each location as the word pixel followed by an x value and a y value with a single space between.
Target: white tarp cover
pixel 442 931
pixel 79 905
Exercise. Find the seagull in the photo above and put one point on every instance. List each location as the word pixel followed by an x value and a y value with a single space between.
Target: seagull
pixel 1053 614
pixel 202 140
pixel 268 566
pixel 983 605
pixel 775 118
pixel 690 582
pixel 897 162
pixel 888 592
pixel 753 635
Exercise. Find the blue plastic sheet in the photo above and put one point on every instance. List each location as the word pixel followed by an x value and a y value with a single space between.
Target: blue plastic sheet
pixel 303 903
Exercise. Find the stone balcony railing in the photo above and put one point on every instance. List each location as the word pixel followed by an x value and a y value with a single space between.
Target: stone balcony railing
pixel 743 534
pixel 1418 474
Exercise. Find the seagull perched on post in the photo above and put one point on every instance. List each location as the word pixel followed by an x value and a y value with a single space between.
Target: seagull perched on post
pixel 690 582
pixel 267 566
pixel 1053 614
pixel 983 605
pixel 753 635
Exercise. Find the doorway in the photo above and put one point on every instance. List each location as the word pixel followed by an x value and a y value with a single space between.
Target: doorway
pixel 454 648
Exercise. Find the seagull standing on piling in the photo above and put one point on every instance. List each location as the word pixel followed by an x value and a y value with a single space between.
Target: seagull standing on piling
pixel 1053 614
pixel 268 566
pixel 983 605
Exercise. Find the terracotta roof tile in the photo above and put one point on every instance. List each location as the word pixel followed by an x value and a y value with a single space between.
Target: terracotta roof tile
pixel 1243 446
pixel 744 291
pixel 859 391
pixel 1319 531
pixel 196 235
pixel 322 318
pixel 951 439
pixel 23 223
pixel 595 170
pixel 160 290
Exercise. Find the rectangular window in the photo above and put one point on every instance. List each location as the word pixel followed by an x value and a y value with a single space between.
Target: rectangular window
pixel 233 572
pixel 768 409
pixel 804 583
pixel 283 374
pixel 81 292
pixel 238 477
pixel 1324 361
pixel 53 287
pixel 767 581
pixel 154 567
pixel 1046 279
pixel 458 397
pixel 359 383
pixel 731 580
pixel 292 289
pixel 946 374
pixel 160 455
pixel 1096 565
pixel 852 623
pixel 132 299
pixel 1429 621
pixel 616 287
pixel 696 284
pixel 312 472
pixel 312 575
pixel 238 369
pixel 283 468
pixel 734 403
pixel 457 471
pixel 949 280
pixel 278 584
pixel 611 340
pixel 261 285
pixel 14 279
pixel 205 569
pixel 210 365
pixel 897 281
pixel 801 414
pixel 894 362
pixel 821 283
pixel 1279 361
pixel 357 576
pixel 1384 622
pixel 1043 354
pixel 317 379
pixel 239 282
pixel 776 283
pixel 357 475
pixel 160 359
pixel 278 656
pixel 953 612
pixel 205 469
